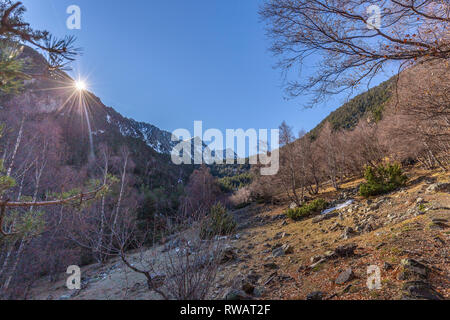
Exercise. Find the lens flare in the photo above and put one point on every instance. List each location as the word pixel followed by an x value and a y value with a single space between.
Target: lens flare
pixel 80 85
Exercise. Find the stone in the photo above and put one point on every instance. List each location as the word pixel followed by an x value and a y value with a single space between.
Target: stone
pixel 439 225
pixel 316 295
pixel 283 250
pixel 420 201
pixel 420 290
pixel 326 216
pixel 228 255
pixel 348 233
pixel 278 252
pixel 248 288
pixel 271 266
pixel 346 250
pixel 345 276
pixel 387 266
pixel 413 268
pixel 234 294
pixel 253 277
pixel 258 291
pixel 288 249
pixel 438 187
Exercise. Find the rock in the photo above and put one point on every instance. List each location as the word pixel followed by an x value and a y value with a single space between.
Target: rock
pixel 293 205
pixel 316 295
pixel 234 294
pixel 415 290
pixel 253 277
pixel 283 250
pixel 414 269
pixel 439 225
pixel 288 249
pixel 248 288
pixel 438 187
pixel 336 227
pixel 271 266
pixel 345 276
pixel 315 259
pixel 326 216
pixel 258 292
pixel 329 255
pixel 228 255
pixel 285 277
pixel 278 252
pixel 278 217
pixel 387 266
pixel 345 250
pixel 348 233
pixel 420 201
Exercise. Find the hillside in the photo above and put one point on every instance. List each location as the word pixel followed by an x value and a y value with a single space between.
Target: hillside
pixel 368 105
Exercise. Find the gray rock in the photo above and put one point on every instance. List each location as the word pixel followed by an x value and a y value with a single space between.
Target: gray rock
pixel 414 267
pixel 234 294
pixel 345 276
pixel 348 233
pixel 420 290
pixel 316 295
pixel 248 288
pixel 387 266
pixel 271 266
pixel 258 291
pixel 346 250
pixel 324 217
pixel 438 187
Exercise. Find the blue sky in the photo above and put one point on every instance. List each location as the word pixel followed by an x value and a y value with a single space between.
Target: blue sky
pixel 170 62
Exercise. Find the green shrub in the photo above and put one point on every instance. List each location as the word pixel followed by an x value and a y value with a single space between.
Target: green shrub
pixel 315 206
pixel 382 179
pixel 219 222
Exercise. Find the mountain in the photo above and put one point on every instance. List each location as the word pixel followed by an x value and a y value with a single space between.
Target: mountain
pixel 369 105
pixel 81 115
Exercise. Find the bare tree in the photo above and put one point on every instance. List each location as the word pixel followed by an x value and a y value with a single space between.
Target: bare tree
pixel 353 48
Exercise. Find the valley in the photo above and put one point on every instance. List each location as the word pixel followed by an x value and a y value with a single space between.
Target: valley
pixel 405 233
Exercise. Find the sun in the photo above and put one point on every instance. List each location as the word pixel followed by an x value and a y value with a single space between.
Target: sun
pixel 80 85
